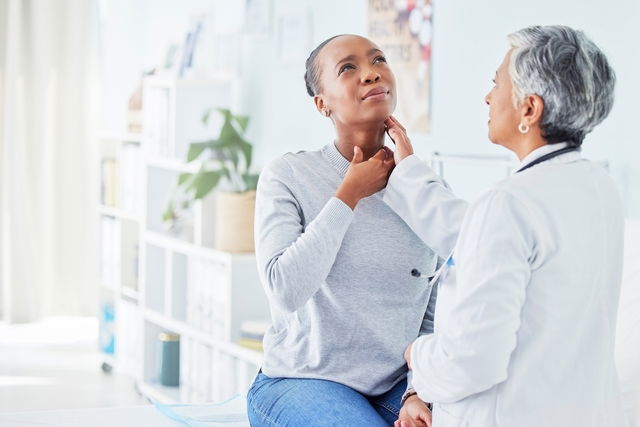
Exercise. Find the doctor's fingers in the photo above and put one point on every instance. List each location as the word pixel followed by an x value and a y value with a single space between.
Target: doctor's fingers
pixel 389 152
pixel 392 122
pixel 426 418
pixel 397 123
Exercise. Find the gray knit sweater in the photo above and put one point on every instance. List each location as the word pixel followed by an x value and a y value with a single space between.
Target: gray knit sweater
pixel 348 289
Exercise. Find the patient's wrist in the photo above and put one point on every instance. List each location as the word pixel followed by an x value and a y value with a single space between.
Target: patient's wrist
pixel 348 197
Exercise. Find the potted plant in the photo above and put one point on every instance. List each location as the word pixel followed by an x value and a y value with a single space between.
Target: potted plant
pixel 225 159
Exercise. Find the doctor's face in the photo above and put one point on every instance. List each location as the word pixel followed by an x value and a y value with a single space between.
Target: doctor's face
pixel 357 85
pixel 503 117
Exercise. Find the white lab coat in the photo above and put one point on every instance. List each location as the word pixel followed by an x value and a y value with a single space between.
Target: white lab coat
pixel 525 318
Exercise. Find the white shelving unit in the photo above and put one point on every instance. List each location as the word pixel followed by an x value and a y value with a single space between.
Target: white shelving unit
pixel 183 285
pixel 120 219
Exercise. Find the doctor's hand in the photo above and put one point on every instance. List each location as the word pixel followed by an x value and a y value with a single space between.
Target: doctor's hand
pixel 365 177
pixel 414 413
pixel 407 355
pixel 398 134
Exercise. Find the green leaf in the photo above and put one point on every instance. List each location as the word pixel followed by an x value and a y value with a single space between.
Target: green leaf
pixel 169 213
pixel 247 149
pixel 195 149
pixel 206 115
pixel 225 112
pixel 205 182
pixel 184 177
pixel 232 154
pixel 228 134
pixel 251 180
pixel 243 121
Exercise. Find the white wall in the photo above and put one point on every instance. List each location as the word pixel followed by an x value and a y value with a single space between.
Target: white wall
pixel 469 43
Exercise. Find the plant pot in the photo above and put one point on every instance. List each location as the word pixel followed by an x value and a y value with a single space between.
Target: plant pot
pixel 234 221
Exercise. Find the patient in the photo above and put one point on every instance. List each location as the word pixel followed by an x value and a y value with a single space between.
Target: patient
pixel 346 278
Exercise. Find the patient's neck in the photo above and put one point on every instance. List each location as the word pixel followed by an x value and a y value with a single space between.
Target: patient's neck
pixel 369 138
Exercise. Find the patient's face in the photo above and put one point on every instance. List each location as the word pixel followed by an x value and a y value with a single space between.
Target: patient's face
pixel 357 85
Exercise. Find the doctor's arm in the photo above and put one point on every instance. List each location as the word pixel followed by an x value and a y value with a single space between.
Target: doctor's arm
pixel 471 351
pixel 421 197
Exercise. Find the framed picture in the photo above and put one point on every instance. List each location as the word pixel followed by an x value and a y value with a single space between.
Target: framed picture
pixel 403 30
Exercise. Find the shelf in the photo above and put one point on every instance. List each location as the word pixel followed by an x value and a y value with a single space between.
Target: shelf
pixel 171 164
pixel 129 293
pixel 181 328
pixel 170 82
pixel 178 165
pixel 168 242
pixel 118 213
pixel 121 137
pixel 108 359
pixel 163 394
pixel 109 288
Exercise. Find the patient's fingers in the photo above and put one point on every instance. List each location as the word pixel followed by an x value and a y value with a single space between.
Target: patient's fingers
pixel 358 156
pixel 380 155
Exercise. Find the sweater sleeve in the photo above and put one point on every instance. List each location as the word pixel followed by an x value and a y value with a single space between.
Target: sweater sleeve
pixel 429 315
pixel 294 258
pixel 425 202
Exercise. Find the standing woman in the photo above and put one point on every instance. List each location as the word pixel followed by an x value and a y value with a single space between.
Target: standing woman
pixel 346 278
pixel 526 314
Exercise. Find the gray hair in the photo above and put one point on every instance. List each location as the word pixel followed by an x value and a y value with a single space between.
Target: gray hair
pixel 571 75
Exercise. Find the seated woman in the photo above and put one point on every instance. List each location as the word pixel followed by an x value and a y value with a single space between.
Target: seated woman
pixel 347 279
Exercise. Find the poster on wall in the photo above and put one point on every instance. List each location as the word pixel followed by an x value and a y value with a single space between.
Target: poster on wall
pixel 403 30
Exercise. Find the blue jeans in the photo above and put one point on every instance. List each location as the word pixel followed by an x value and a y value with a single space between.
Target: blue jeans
pixel 311 402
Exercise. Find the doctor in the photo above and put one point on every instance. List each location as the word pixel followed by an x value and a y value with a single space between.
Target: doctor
pixel 526 311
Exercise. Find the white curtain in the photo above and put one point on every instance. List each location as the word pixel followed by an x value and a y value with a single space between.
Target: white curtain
pixel 48 173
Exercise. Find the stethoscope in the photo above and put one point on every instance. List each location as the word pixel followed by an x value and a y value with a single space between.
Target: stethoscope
pixel 547 157
pixel 444 269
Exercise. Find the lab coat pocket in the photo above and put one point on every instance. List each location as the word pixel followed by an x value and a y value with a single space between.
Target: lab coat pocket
pixel 442 417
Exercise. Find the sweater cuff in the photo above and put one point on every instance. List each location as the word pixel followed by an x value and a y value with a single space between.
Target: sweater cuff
pixel 338 213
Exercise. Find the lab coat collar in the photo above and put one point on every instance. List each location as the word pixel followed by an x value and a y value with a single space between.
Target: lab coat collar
pixel 337 160
pixel 549 148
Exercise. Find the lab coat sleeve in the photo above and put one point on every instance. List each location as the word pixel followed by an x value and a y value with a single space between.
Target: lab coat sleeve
pixel 425 202
pixel 294 258
pixel 470 352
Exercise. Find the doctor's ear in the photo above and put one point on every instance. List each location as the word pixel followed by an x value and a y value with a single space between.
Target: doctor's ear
pixel 531 109
pixel 321 106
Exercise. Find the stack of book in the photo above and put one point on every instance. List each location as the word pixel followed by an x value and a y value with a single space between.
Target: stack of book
pixel 109 182
pixel 130 176
pixel 110 252
pixel 252 332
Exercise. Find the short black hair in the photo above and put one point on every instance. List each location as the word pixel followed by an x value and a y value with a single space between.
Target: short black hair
pixel 312 72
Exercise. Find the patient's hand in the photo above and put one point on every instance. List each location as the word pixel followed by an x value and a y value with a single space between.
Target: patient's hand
pixel 414 413
pixel 398 134
pixel 365 177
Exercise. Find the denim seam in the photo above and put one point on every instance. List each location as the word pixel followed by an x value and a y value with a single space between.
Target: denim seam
pixel 387 407
pixel 264 416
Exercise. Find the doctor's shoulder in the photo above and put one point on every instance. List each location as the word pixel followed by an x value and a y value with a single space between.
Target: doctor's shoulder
pixel 497 204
